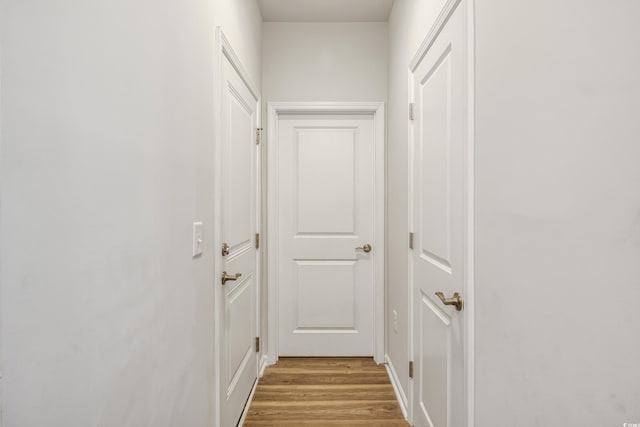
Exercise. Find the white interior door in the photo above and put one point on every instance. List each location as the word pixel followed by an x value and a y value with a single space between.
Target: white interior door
pixel 325 213
pixel 438 198
pixel 239 153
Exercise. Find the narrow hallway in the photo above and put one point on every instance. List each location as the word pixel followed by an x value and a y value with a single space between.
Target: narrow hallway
pixel 325 392
pixel 191 190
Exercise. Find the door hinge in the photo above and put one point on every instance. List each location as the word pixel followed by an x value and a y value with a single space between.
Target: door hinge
pixel 257 344
pixel 257 240
pixel 412 112
pixel 258 135
pixel 410 240
pixel 411 369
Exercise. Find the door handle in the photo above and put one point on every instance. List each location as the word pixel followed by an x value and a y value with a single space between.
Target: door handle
pixel 456 300
pixel 226 277
pixel 366 248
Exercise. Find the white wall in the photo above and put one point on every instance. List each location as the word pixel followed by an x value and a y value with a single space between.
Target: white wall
pixel 322 62
pixel 107 111
pixel 409 23
pixel 558 208
pixel 558 213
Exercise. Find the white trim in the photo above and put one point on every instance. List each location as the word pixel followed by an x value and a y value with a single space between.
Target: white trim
pixel 272 231
pixel 410 174
pixel 259 251
pixel 378 111
pixel 470 207
pixel 470 327
pixel 247 405
pixel 436 29
pixel 217 90
pixel 262 366
pixel 223 49
pixel 397 387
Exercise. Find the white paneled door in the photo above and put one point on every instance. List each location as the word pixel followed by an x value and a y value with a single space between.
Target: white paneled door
pixel 325 235
pixel 239 154
pixel 438 259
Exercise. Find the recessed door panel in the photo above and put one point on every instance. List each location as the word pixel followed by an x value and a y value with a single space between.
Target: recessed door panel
pixel 239 345
pixel 240 179
pixel 325 163
pixel 435 173
pixel 433 365
pixel 326 295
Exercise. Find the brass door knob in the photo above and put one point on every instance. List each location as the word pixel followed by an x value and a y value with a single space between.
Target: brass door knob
pixel 456 300
pixel 366 248
pixel 226 277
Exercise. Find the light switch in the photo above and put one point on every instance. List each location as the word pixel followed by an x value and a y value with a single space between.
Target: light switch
pixel 198 236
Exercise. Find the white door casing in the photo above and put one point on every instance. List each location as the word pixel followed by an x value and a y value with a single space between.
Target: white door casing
pixel 440 212
pixel 326 197
pixel 237 221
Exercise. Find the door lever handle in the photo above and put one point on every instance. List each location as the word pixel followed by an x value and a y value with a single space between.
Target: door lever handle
pixel 366 248
pixel 226 277
pixel 456 300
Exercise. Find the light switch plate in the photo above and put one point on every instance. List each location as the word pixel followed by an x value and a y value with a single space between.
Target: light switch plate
pixel 198 237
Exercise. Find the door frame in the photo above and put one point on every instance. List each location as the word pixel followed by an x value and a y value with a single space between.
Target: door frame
pixel 470 206
pixel 223 49
pixel 377 110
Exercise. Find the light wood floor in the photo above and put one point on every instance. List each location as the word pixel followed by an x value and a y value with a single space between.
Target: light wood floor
pixel 325 392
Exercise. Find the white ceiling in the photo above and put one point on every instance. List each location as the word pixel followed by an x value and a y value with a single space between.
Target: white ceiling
pixel 325 10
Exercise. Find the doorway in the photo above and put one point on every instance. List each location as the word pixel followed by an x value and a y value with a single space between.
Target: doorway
pixel 326 191
pixel 237 206
pixel 441 223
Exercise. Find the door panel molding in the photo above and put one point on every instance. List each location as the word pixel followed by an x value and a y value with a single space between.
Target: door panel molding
pixel 234 290
pixel 275 109
pixel 469 266
pixel 437 27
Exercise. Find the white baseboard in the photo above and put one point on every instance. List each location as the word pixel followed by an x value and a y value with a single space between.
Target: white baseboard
pixel 272 359
pixel 263 365
pixel 245 411
pixel 397 387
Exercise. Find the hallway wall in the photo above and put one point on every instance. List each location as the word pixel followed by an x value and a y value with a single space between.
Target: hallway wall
pixel 308 61
pixel 107 112
pixel 558 213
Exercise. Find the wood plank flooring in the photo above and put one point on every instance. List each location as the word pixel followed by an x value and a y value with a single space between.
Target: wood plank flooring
pixel 321 392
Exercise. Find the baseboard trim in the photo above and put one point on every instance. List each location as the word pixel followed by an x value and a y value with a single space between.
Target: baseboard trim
pixel 247 405
pixel 397 388
pixel 264 362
